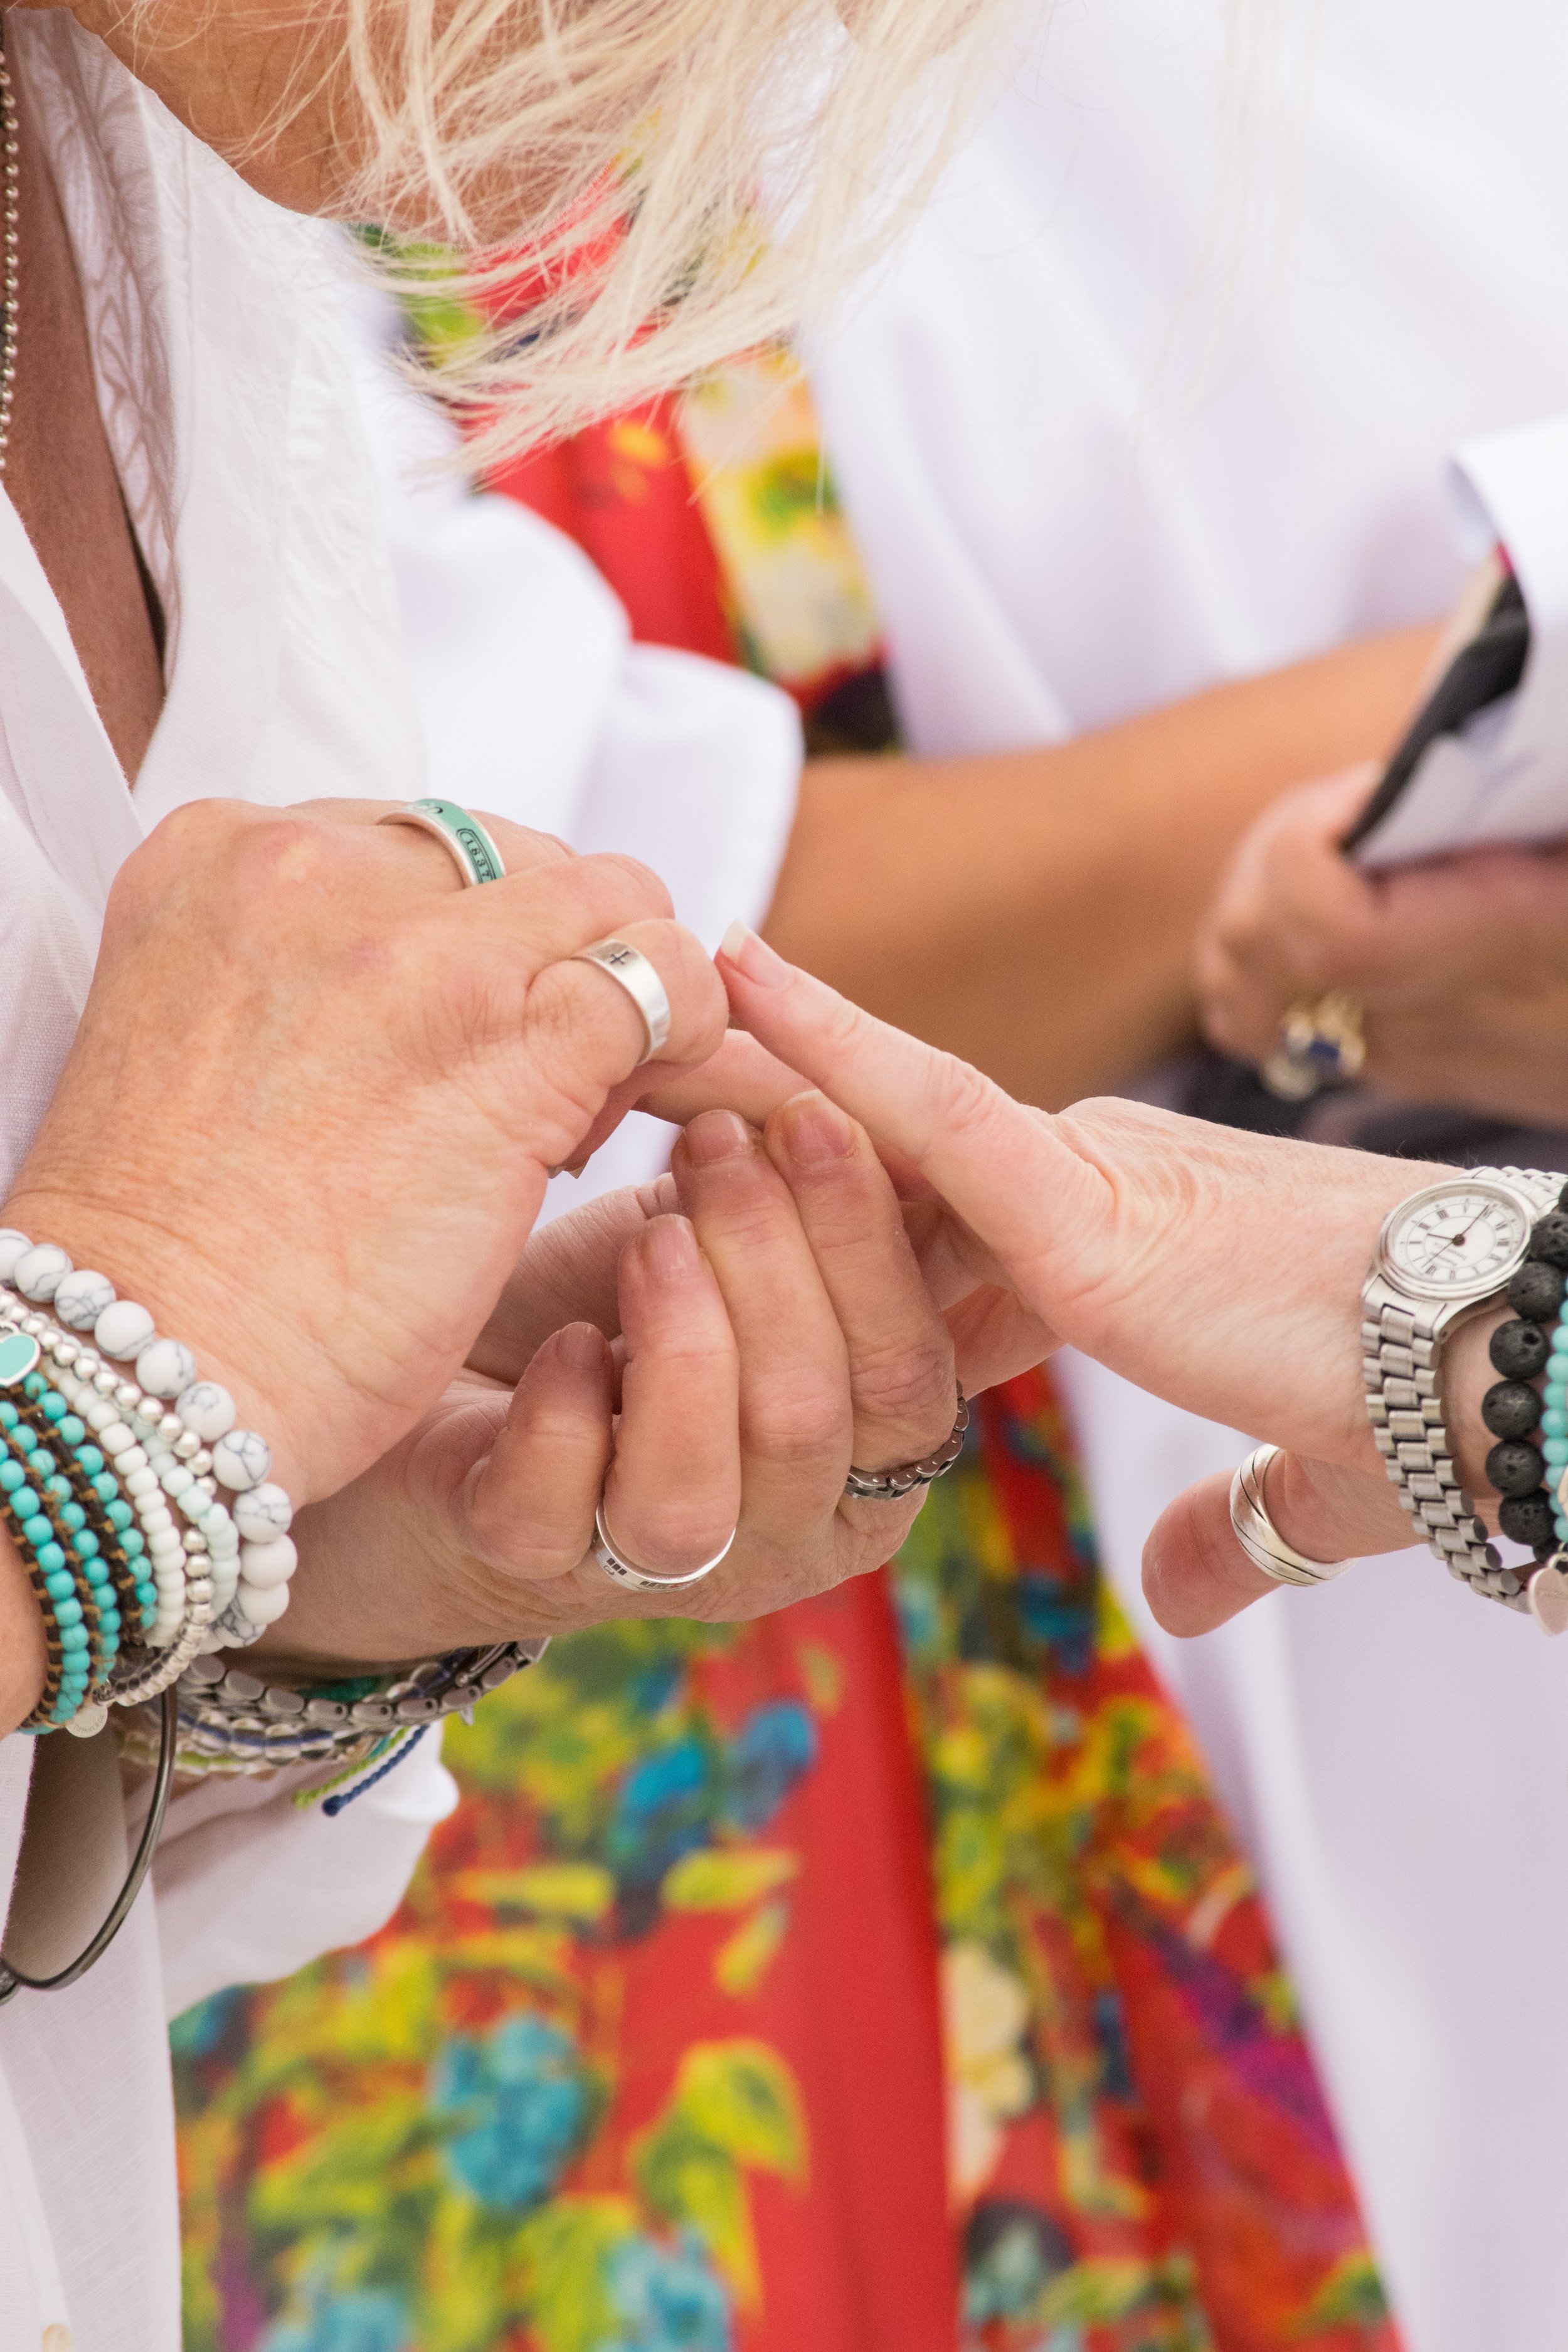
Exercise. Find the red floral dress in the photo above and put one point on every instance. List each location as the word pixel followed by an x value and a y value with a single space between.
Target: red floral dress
pixel 879 1978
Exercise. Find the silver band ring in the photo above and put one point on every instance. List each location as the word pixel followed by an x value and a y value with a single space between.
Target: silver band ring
pixel 892 1485
pixel 630 968
pixel 610 1561
pixel 1258 1537
pixel 462 836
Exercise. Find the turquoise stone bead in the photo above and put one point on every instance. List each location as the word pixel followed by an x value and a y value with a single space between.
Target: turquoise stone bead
pixel 60 1586
pixel 147 1594
pixel 57 1489
pixel 51 1556
pixel 68 1612
pixel 1554 1421
pixel 91 1457
pixel 7 1416
pixel 23 1502
pixel 73 1637
pixel 95 1572
pixel 42 1463
pixel 109 1621
pixel 73 1516
pixel 119 1514
pixel 37 1530
pixel 12 1475
pixel 1556 1451
pixel 133 1543
pixel 73 1429
pixel 34 1386
pixel 23 1439
pixel 106 1487
pixel 55 1407
pixel 86 1544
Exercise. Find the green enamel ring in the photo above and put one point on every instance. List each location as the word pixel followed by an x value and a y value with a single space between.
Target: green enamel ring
pixel 462 836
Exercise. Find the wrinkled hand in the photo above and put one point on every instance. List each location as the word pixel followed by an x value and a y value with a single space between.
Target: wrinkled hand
pixel 769 1328
pixel 1460 965
pixel 315 1090
pixel 1219 1270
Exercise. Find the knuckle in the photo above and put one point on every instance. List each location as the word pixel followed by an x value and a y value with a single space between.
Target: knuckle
pixel 909 1384
pixel 798 1426
pixel 634 881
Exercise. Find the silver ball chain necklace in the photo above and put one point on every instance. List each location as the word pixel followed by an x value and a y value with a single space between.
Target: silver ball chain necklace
pixel 9 274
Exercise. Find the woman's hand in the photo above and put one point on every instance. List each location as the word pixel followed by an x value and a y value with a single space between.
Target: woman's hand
pixel 769 1328
pixel 315 1091
pixel 1219 1270
pixel 1460 966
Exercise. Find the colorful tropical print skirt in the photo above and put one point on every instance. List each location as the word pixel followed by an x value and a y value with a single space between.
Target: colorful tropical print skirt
pixel 879 1978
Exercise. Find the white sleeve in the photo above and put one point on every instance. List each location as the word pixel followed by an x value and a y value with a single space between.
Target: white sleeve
pixel 536 704
pixel 248 1885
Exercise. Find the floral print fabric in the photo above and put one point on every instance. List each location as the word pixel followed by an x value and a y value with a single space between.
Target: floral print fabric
pixel 879 1978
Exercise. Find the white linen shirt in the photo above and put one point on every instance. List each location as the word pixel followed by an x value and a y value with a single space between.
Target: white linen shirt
pixel 1142 405
pixel 231 416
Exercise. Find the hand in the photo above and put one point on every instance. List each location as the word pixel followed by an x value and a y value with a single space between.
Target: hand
pixel 769 1328
pixel 1460 966
pixel 314 1093
pixel 1219 1270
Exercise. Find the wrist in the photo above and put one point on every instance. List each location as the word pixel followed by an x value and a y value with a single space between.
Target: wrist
pixel 190 1302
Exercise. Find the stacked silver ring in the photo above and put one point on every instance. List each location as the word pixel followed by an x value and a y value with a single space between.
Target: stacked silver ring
pixel 1258 1537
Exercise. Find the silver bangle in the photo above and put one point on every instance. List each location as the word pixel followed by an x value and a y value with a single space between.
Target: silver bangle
pixel 604 1550
pixel 892 1485
pixel 1258 1537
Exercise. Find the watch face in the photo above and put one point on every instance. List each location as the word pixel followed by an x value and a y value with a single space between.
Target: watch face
pixel 1456 1241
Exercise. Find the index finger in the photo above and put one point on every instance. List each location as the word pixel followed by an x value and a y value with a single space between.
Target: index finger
pixel 1001 1165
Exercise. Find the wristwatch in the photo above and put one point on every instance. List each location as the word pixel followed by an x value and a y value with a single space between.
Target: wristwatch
pixel 1444 1254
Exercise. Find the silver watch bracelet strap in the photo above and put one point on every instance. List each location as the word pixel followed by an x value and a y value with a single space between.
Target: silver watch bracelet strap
pixel 1406 1415
pixel 1401 1367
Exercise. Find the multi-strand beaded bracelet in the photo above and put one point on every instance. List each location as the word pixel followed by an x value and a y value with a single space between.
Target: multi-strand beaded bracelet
pixel 154 1537
pixel 147 1521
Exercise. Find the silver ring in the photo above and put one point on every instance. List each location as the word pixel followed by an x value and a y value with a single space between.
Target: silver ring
pixel 1258 1537
pixel 462 836
pixel 610 1561
pixel 630 968
pixel 892 1485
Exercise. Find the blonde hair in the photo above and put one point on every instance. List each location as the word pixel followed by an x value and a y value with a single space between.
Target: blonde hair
pixel 693 174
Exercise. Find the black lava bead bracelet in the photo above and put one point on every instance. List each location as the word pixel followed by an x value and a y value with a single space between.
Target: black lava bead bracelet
pixel 1512 1408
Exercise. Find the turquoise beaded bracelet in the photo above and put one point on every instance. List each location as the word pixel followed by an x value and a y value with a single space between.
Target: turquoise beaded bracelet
pixel 1554 1422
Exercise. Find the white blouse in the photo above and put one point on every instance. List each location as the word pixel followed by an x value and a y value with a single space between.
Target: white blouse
pixel 237 369
pixel 231 412
pixel 1156 397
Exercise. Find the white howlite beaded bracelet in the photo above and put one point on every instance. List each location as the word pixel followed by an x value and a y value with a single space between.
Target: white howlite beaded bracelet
pixel 222 1577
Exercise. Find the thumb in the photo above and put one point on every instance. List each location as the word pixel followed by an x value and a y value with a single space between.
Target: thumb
pixel 1196 1574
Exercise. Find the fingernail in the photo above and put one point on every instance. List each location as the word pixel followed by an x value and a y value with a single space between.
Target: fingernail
pixel 814 1131
pixel 717 1135
pixel 753 957
pixel 580 1346
pixel 670 1248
